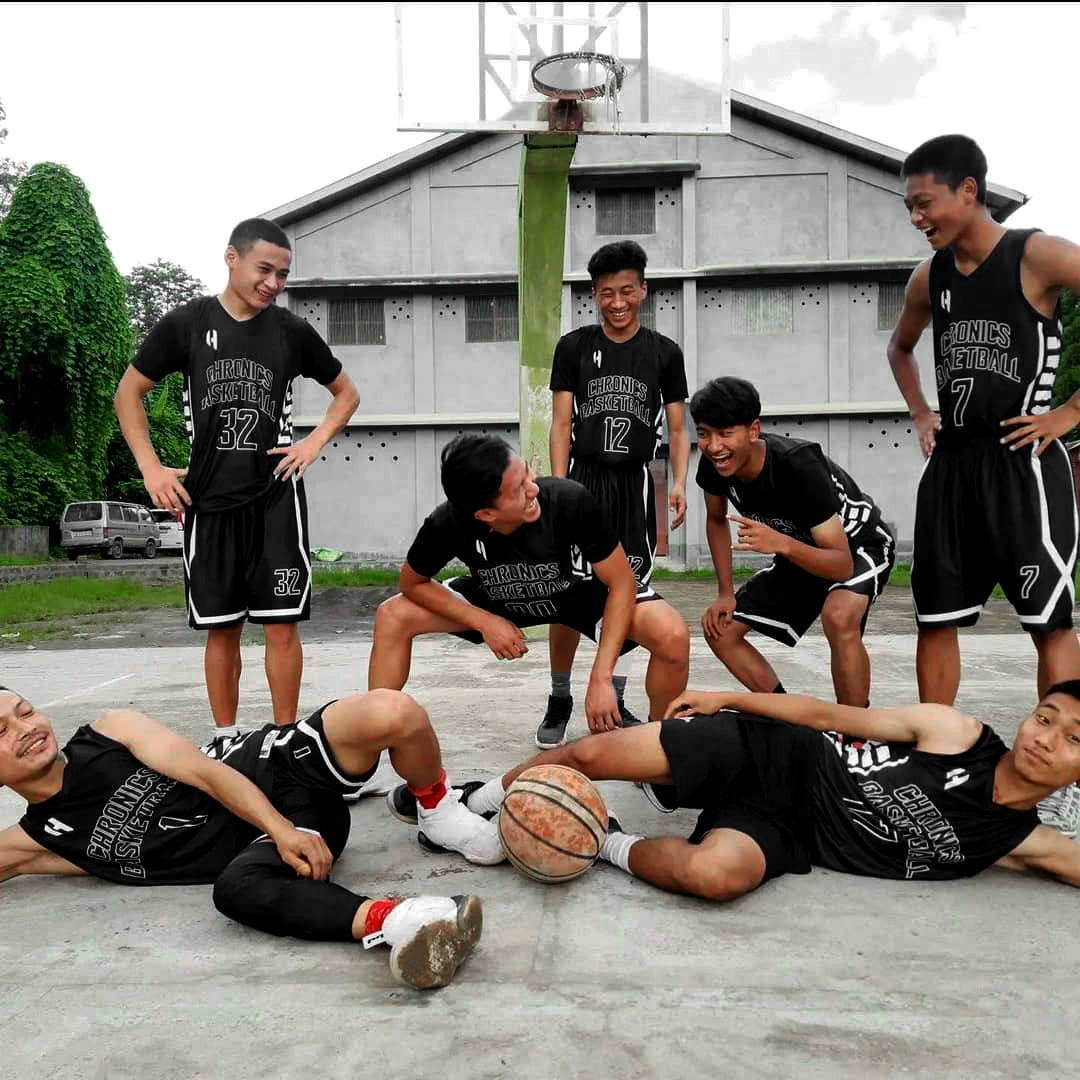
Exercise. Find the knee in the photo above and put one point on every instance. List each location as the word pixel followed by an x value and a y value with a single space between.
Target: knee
pixel 392 617
pixel 701 874
pixel 281 635
pixel 241 894
pixel 399 715
pixel 586 755
pixel 672 643
pixel 841 625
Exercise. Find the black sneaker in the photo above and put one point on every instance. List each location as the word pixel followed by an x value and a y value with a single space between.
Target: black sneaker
pixel 662 796
pixel 552 729
pixel 402 802
pixel 628 718
pixel 613 825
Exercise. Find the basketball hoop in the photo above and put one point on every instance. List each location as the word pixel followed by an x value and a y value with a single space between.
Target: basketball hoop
pixel 573 77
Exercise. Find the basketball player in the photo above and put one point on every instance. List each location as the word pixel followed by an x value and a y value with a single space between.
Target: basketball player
pixel 996 502
pixel 611 386
pixel 784 782
pixel 129 801
pixel 538 551
pixel 832 553
pixel 245 529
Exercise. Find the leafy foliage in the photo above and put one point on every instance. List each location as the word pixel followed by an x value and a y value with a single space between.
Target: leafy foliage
pixel 1068 376
pixel 11 172
pixel 153 290
pixel 64 340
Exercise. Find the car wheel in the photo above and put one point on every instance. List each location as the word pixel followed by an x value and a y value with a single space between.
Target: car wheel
pixel 116 549
pixel 150 550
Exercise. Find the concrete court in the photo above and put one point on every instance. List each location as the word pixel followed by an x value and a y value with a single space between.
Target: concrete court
pixel 825 975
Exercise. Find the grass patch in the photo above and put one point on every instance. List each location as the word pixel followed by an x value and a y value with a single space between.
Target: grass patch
pixel 23 560
pixel 38 600
pixel 359 578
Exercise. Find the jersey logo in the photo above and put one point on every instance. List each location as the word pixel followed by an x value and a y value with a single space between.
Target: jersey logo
pixel 169 823
pixel 956 777
pixel 866 819
pixel 481 550
pixel 598 358
pixel 56 827
pixel 301 752
pixel 946 300
pixel 211 339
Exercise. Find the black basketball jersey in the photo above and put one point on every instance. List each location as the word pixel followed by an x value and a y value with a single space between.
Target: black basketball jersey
pixel 237 391
pixel 995 356
pixel 536 562
pixel 889 810
pixel 620 389
pixel 119 820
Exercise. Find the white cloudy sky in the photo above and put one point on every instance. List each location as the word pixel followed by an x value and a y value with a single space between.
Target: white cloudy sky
pixel 184 118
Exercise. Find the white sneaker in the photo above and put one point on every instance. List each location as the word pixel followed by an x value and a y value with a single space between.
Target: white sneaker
pixel 381 782
pixel 429 937
pixel 451 826
pixel 1061 811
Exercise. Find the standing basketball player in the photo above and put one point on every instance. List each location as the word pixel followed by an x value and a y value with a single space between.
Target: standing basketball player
pixel 996 502
pixel 611 386
pixel 245 529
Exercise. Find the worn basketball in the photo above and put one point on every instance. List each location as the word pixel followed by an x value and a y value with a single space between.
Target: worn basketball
pixel 552 823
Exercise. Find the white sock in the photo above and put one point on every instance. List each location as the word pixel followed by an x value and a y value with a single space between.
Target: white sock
pixel 487 799
pixel 616 849
pixel 229 732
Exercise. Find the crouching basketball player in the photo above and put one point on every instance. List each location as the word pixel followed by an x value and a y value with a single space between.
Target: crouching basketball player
pixel 784 782
pixel 129 801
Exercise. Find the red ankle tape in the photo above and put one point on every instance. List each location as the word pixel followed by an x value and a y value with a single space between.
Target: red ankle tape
pixel 430 797
pixel 376 915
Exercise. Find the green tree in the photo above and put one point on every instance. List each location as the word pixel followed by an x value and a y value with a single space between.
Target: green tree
pixel 153 290
pixel 11 171
pixel 64 340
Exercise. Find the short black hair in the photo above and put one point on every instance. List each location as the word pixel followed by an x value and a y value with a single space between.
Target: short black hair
pixel 1066 686
pixel 472 471
pixel 621 255
pixel 251 230
pixel 951 159
pixel 726 402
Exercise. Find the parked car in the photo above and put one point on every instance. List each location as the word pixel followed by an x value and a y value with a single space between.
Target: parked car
pixel 110 528
pixel 170 530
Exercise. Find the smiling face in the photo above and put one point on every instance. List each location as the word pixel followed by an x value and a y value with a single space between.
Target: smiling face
pixel 729 449
pixel 937 211
pixel 257 276
pixel 28 746
pixel 1046 750
pixel 619 296
pixel 516 503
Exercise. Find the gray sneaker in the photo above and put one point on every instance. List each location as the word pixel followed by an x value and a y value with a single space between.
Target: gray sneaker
pixel 552 729
pixel 1061 811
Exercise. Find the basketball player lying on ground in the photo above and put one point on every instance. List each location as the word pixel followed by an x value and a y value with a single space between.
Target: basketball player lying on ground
pixel 921 792
pixel 129 801
pixel 539 551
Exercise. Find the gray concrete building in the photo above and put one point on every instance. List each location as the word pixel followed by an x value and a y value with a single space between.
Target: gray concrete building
pixel 778 253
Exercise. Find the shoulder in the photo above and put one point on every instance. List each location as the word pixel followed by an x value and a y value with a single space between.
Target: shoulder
pixel 576 339
pixel 558 491
pixel 1047 255
pixel 191 313
pixel 709 480
pixel 941 729
pixel 792 452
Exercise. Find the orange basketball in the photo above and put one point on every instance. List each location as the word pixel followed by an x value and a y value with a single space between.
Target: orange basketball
pixel 552 823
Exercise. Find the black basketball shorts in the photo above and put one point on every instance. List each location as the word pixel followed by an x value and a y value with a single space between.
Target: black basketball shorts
pixel 987 515
pixel 629 499
pixel 251 562
pixel 580 607
pixel 749 774
pixel 782 600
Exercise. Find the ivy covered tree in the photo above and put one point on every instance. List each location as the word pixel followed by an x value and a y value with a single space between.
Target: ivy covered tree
pixel 64 341
pixel 11 171
pixel 153 290
pixel 1068 377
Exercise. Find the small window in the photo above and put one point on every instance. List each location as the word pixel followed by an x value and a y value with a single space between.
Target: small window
pixel 115 513
pixel 890 302
pixel 625 211
pixel 491 318
pixel 83 512
pixel 130 513
pixel 647 312
pixel 765 310
pixel 356 322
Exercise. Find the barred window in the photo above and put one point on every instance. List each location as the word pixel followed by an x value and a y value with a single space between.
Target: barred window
pixel 491 318
pixel 890 302
pixel 762 310
pixel 625 211
pixel 356 322
pixel 647 312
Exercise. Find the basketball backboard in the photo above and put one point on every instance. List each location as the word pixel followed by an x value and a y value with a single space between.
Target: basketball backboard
pixel 468 66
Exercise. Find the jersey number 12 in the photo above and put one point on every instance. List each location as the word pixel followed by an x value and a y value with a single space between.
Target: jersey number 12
pixel 616 428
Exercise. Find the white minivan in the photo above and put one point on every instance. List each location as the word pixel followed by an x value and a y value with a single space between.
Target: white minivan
pixel 110 528
pixel 170 530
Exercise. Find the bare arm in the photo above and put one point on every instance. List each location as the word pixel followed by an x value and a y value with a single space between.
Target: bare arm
pixel 936 729
pixel 562 419
pixel 500 635
pixel 913 320
pixel 717 532
pixel 829 559
pixel 297 458
pixel 679 443
pixel 162 482
pixel 19 855
pixel 1046 851
pixel 160 749
pixel 601 707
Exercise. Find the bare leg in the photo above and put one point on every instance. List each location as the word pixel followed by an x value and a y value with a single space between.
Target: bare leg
pixel 562 647
pixel 937 664
pixel 284 668
pixel 743 660
pixel 1059 657
pixel 658 627
pixel 724 865
pixel 222 665
pixel 397 621
pixel 841 619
